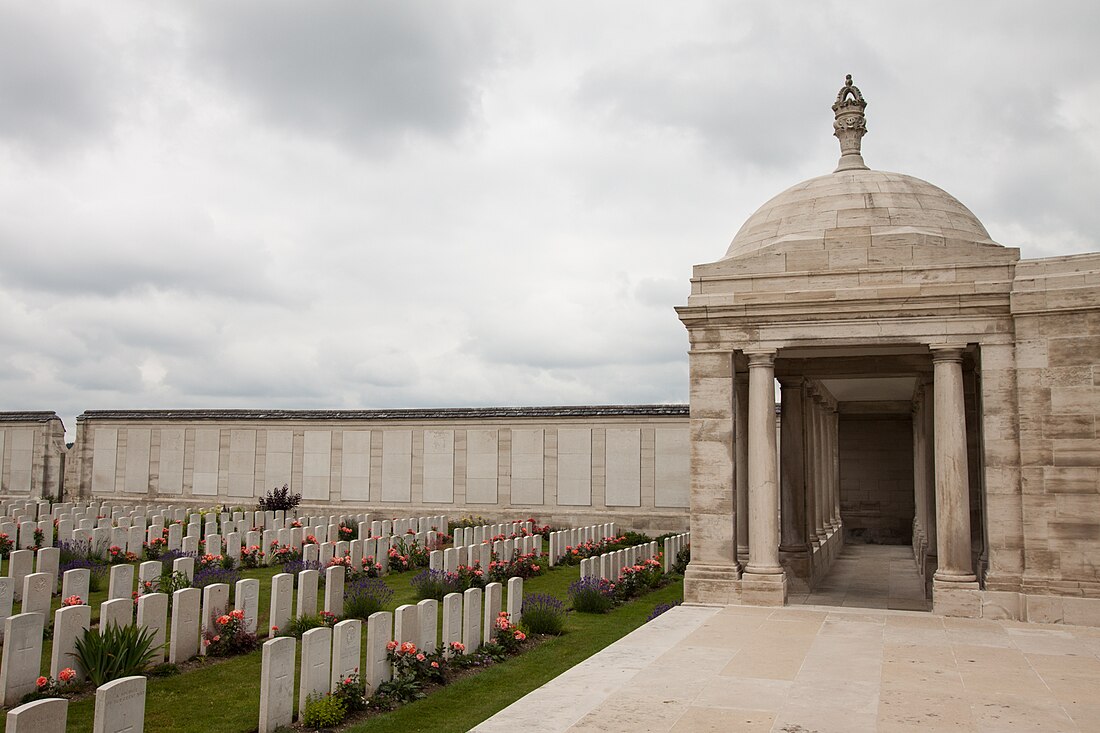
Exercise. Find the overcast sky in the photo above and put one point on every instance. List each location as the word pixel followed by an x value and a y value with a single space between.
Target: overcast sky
pixel 358 205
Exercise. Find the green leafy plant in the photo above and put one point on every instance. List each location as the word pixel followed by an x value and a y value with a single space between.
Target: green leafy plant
pixel 114 652
pixel 300 625
pixel 280 500
pixel 323 710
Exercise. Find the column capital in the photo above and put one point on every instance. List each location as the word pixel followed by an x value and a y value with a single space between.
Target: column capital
pixel 761 358
pixel 792 382
pixel 947 352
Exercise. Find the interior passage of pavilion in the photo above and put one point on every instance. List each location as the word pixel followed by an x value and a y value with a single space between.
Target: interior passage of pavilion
pixel 837 499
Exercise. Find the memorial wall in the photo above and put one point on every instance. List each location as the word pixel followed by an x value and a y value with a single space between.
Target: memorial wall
pixel 564 465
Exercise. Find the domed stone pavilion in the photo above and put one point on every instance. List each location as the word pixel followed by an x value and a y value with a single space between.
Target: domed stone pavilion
pixel 936 391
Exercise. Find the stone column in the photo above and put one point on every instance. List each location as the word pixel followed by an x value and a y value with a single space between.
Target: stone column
pixel 820 528
pixel 834 464
pixel 927 430
pixel 919 520
pixel 764 582
pixel 712 574
pixel 952 476
pixel 741 467
pixel 792 470
pixel 809 457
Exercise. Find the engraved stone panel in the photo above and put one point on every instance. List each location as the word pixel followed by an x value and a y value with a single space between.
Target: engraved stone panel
pixel 316 464
pixel 242 462
pixel 672 468
pixel 355 482
pixel 624 467
pixel 136 480
pixel 207 448
pixel 481 466
pixel 278 459
pixel 397 465
pixel 439 466
pixel 104 454
pixel 22 458
pixel 527 466
pixel 575 466
pixel 171 460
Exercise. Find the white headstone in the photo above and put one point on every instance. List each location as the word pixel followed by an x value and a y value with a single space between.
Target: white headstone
pixel 120 706
pixel 427 616
pixel 47 561
pixel 20 564
pixel 118 611
pixel 148 572
pixel 75 582
pixel 215 602
pixel 7 594
pixel 405 624
pixel 376 668
pixel 334 590
pixel 316 663
pixel 40 716
pixel 184 640
pixel 492 609
pixel 346 652
pixel 307 593
pixel 36 594
pixel 185 565
pixel 282 598
pixel 515 599
pixel 471 619
pixel 277 684
pixel 122 582
pixel 452 620
pixel 152 614
pixel 69 624
pixel 22 657
pixel 246 597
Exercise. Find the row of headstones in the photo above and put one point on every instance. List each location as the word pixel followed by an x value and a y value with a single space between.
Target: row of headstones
pixel 673 545
pixel 193 612
pixel 476 535
pixel 450 559
pixel 330 655
pixel 19 671
pixel 577 536
pixel 609 565
pixel 119 706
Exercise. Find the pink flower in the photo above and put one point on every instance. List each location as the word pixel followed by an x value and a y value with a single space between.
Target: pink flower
pixel 217 637
pixel 390 646
pixel 435 665
pixel 223 620
pixel 420 657
pixel 42 681
pixel 66 674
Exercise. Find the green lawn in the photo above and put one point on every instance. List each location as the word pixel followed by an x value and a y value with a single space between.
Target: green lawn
pixel 224 695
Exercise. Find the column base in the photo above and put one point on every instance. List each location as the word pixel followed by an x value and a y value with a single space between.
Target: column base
pixel 956 598
pixel 712 585
pixel 764 589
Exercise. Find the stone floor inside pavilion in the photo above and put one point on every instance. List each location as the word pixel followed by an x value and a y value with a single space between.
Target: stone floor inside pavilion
pixel 849 657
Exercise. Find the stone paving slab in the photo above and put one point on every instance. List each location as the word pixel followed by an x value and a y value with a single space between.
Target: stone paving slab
pixel 820 669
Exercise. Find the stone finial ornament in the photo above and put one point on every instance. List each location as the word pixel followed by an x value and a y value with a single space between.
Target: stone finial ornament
pixel 850 125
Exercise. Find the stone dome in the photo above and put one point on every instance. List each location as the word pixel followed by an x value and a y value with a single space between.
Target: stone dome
pixel 884 205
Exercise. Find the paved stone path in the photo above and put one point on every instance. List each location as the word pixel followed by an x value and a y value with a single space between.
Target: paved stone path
pixel 870 576
pixel 827 668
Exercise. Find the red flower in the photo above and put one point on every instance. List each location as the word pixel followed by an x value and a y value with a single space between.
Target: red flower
pixel 42 681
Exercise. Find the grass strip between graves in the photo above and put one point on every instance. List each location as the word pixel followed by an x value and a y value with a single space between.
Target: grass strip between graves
pixel 224 695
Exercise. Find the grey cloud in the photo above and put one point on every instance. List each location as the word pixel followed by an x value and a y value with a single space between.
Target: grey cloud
pixel 364 72
pixel 58 80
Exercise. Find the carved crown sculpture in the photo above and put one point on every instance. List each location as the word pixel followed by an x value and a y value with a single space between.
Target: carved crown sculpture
pixel 850 125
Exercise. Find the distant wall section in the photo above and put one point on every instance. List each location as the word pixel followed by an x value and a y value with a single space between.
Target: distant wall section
pixel 561 464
